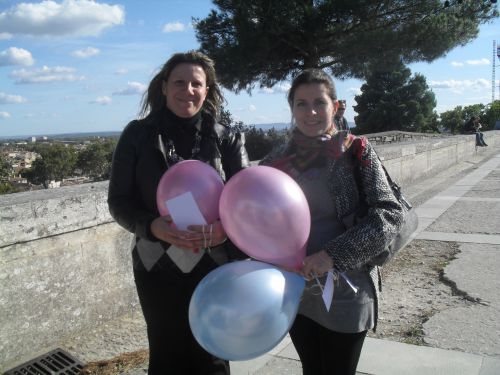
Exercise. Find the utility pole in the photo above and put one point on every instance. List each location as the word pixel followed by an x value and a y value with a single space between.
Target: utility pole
pixel 493 82
pixel 494 64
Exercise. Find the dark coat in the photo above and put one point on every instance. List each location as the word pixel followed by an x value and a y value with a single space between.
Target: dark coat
pixel 139 162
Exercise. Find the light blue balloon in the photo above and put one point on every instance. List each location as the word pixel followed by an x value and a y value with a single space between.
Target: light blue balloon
pixel 243 309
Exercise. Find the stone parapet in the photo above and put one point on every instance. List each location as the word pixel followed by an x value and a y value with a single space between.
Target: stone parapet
pixel 65 264
pixel 399 136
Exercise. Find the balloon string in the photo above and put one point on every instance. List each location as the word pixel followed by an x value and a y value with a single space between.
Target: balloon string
pixel 317 282
pixel 204 237
pixel 336 273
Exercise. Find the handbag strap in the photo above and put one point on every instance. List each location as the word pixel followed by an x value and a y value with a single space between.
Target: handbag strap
pixel 396 189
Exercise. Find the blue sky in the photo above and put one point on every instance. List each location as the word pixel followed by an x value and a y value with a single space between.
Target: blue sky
pixel 82 66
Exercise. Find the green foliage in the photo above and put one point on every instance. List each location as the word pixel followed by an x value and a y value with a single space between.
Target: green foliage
pixel 57 161
pixel 258 142
pixel 454 119
pixel 6 188
pixel 267 41
pixel 225 116
pixel 5 169
pixel 491 115
pixel 393 100
pixel 95 160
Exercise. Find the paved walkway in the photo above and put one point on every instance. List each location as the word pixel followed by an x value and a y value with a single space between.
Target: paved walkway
pixel 379 357
pixel 467 212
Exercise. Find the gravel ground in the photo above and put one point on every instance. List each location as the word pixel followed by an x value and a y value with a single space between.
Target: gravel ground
pixel 414 289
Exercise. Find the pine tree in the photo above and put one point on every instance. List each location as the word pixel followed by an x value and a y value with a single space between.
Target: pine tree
pixel 393 100
pixel 267 41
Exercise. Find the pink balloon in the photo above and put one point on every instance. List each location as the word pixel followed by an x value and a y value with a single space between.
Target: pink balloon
pixel 265 214
pixel 200 179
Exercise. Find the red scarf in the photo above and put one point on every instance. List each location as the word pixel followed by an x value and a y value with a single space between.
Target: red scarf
pixel 309 152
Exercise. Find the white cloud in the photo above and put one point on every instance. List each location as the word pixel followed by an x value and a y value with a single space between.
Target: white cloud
pixel 459 87
pixel 478 62
pixel 46 75
pixel 173 27
pixel 16 56
pixel 457 64
pixel 133 88
pixel 67 18
pixel 278 88
pixel 5 36
pixel 4 115
pixel 266 90
pixel 102 100
pixel 121 72
pixel 11 99
pixel 252 108
pixel 354 91
pixel 85 52
pixel 282 87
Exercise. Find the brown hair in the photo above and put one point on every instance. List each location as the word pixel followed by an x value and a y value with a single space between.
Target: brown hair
pixel 153 99
pixel 312 76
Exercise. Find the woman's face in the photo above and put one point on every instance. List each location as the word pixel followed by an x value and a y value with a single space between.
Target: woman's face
pixel 186 89
pixel 313 109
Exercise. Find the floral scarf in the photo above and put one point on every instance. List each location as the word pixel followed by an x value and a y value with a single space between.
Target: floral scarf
pixel 305 152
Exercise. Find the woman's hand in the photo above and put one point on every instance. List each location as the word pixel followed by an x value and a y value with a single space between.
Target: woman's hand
pixel 316 264
pixel 211 235
pixel 162 228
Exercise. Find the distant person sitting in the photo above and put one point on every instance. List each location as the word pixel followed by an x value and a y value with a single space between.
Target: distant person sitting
pixel 473 126
pixel 339 119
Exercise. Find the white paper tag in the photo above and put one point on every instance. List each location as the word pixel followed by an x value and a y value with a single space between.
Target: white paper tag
pixel 185 211
pixel 328 291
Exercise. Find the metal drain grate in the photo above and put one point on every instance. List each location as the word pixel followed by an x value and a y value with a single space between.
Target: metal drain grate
pixel 56 362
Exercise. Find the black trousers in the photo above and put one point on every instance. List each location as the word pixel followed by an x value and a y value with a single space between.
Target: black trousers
pixel 164 296
pixel 324 352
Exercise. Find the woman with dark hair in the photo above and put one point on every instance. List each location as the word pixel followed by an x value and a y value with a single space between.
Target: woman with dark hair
pixel 354 216
pixel 179 121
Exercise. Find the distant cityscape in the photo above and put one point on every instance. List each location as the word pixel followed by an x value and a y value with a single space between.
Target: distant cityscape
pixel 112 134
pixel 61 136
pixel 88 159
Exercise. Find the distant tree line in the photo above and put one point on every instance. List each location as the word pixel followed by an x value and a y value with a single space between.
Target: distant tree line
pixel 258 142
pixel 59 161
pixel 453 120
pixel 5 172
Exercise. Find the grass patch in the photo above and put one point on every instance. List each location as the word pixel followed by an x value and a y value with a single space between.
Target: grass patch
pixel 118 364
pixel 414 336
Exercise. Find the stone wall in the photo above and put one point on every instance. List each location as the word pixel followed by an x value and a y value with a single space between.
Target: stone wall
pixel 65 265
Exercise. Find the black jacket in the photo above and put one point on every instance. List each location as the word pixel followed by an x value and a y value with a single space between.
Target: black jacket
pixel 139 161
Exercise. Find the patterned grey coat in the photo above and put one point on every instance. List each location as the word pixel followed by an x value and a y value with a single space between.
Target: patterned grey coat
pixel 367 233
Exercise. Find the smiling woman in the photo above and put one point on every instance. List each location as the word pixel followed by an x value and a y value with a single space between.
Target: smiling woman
pixel 334 169
pixel 180 111
pixel 313 109
pixel 185 90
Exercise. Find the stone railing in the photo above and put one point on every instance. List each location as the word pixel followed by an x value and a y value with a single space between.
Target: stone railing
pixel 399 136
pixel 65 264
